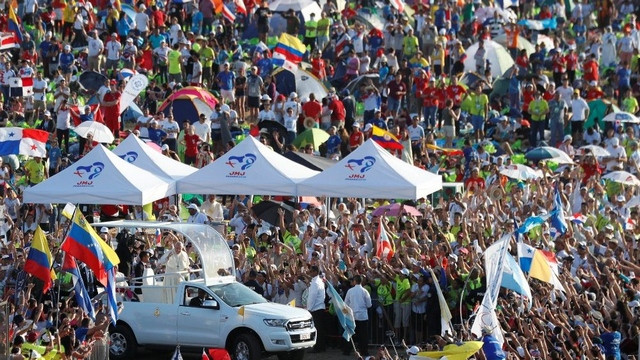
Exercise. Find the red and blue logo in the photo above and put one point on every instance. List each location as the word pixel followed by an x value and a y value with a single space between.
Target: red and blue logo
pixel 88 173
pixel 358 167
pixel 239 164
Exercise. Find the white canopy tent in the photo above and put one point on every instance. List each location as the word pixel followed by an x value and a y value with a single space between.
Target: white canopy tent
pixel 250 168
pixel 136 152
pixel 100 177
pixel 372 172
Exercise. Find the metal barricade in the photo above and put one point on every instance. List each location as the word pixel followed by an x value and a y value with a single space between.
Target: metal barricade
pixel 100 350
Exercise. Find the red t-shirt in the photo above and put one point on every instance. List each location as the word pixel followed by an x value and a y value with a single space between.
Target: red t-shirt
pixel 522 61
pixel 113 111
pixel 395 87
pixel 548 96
pixel 312 109
pixel 593 94
pixel 559 64
pixel 191 145
pixel 429 97
pixel 355 137
pixel 572 61
pixel 338 114
pixel 591 71
pixel 478 182
pixel 455 92
pixel 527 97
pixel 441 95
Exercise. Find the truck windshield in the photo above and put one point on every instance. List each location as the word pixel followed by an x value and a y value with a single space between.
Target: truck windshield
pixel 235 294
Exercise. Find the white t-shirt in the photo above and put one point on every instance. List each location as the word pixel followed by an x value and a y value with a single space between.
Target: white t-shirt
pixel 142 21
pixel 143 121
pixel 37 85
pixel 78 24
pixel 167 126
pixel 266 115
pixel 616 153
pixel 202 129
pixel 63 119
pixel 565 94
pixel 113 50
pixel 291 122
pixel 415 133
pixel 626 44
pixel 196 75
pixel 579 109
pixel 95 47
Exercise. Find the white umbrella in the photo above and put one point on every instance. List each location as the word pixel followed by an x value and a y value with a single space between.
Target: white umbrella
pixel 484 13
pixel 523 44
pixel 597 151
pixel 635 201
pixel 548 42
pixel 622 177
pixel 621 117
pixel 497 55
pixel 101 133
pixel 520 172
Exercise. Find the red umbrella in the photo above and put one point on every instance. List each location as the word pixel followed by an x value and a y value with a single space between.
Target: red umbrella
pixel 394 210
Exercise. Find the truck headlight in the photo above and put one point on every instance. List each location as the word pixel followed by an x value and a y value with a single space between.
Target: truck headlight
pixel 275 322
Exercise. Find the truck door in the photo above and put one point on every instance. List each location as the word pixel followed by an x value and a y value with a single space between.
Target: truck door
pixel 199 319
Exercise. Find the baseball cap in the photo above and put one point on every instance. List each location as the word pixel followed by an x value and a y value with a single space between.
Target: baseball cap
pixel 192 207
pixel 356 125
pixel 165 147
pixel 405 272
pixel 104 229
pixel 368 127
pixel 414 350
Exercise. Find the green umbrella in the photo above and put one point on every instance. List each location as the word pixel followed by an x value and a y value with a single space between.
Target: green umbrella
pixel 312 136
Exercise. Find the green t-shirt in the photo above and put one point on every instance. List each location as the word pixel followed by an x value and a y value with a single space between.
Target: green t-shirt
pixel 323 27
pixel 207 55
pixel 384 292
pixel 537 109
pixel 630 105
pixel 36 171
pixel 478 104
pixel 410 44
pixel 175 67
pixel 402 287
pixel 292 241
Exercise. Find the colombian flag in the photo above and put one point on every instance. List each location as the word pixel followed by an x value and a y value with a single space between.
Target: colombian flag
pixel 85 245
pixel 14 25
pixel 39 260
pixel 291 48
pixel 385 139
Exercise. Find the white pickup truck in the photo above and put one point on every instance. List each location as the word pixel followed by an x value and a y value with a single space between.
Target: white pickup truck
pixel 232 316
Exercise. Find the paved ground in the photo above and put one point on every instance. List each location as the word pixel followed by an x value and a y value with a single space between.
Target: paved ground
pixel 331 354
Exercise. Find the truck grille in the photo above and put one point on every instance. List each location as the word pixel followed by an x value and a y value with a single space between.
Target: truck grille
pixel 297 325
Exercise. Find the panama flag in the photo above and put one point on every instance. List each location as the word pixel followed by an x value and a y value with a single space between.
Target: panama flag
pixel 525 254
pixel 21 86
pixel 30 142
pixel 384 249
pixel 578 218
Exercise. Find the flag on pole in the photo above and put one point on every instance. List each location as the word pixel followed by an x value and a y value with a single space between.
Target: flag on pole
pixel 384 248
pixel 228 14
pixel 461 351
pixel 385 139
pixel 111 295
pixel 85 245
pixel 8 41
pixel 514 279
pixel 241 8
pixel 176 354
pixel 525 255
pixel 14 25
pixel 39 261
pixel 544 267
pixel 445 312
pixel 557 214
pixel 291 48
pixel 158 237
pixel 279 60
pixel 30 142
pixel 344 313
pixel 204 355
pixel 82 295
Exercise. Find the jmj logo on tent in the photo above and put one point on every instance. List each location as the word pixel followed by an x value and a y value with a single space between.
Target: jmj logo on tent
pixel 359 167
pixel 130 156
pixel 239 164
pixel 88 173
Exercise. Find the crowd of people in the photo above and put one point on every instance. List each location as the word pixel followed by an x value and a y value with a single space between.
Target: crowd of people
pixel 441 103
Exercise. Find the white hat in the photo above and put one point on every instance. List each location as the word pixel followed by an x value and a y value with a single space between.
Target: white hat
pixel 104 229
pixel 67 47
pixel 293 95
pixel 265 97
pixel 225 108
pixel 593 83
pixel 192 207
pixel 130 40
pixel 47 113
pixel 368 127
pixel 443 31
pixel 414 350
pixel 615 142
pixel 567 138
pixel 356 125
pixel 142 7
pixel 405 272
pixel 165 147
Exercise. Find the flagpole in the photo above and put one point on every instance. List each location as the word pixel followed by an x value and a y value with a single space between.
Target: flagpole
pixel 64 254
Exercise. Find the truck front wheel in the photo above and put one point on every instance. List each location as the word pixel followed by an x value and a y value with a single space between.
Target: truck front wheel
pixel 246 347
pixel 122 343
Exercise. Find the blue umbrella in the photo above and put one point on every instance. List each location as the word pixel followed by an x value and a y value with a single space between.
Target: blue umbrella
pixel 548 152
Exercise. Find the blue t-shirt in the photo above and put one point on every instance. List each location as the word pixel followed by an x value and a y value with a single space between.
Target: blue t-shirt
pixel 156 135
pixel 611 343
pixel 196 22
pixel 54 156
pixel 624 78
pixel 333 144
pixel 155 40
pixel 492 349
pixel 44 47
pixel 227 78
pixel 440 18
pixel 66 60
pixel 86 117
pixel 514 85
pixel 123 27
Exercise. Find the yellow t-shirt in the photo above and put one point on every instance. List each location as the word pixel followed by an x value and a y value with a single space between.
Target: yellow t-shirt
pixel 478 104
pixel 174 62
pixel 35 170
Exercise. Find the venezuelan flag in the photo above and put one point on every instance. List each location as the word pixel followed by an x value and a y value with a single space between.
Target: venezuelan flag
pixel 85 245
pixel 14 25
pixel 291 48
pixel 385 139
pixel 39 260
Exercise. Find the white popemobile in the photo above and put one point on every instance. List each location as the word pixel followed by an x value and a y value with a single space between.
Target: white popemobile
pixel 230 316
